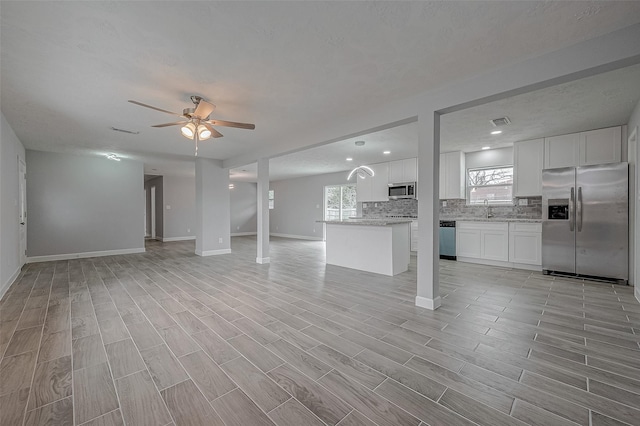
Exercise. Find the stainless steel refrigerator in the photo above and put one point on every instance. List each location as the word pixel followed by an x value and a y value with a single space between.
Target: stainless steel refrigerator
pixel 585 221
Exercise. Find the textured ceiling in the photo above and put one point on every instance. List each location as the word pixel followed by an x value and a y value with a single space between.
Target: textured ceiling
pixel 68 68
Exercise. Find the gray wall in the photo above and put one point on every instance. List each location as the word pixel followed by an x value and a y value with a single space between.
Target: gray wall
pixel 299 203
pixel 180 196
pixel 489 158
pixel 10 150
pixel 213 211
pixel 83 204
pixel 158 183
pixel 244 208
pixel 634 201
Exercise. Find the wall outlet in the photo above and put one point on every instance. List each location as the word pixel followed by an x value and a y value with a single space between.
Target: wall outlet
pixel 220 240
pixel 168 207
pixel 523 202
pixel 314 230
pixel 188 230
pixel 375 204
pixel 444 204
pixel 237 228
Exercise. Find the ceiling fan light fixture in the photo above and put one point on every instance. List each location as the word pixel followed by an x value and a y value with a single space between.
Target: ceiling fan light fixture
pixel 203 132
pixel 188 130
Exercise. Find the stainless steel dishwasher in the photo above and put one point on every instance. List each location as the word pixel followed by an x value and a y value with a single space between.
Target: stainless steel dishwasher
pixel 448 239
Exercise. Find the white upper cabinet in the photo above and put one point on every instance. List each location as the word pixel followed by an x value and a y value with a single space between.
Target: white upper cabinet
pixel 600 146
pixel 374 188
pixel 528 161
pixel 403 171
pixel 452 175
pixel 582 149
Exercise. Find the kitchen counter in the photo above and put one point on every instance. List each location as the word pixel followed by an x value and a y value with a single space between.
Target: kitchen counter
pixel 366 222
pixel 492 219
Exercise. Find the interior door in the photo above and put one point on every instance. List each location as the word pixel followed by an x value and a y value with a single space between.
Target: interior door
pixel 558 220
pixel 22 210
pixel 602 227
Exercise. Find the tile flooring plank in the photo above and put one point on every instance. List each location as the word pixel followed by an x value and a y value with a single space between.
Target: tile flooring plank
pixel 112 329
pixel 189 322
pixel 333 341
pixel 598 419
pixel 349 366
pixel 375 345
pixel 292 413
pixel 25 340
pixel 476 411
pixel 293 336
pixel 88 351
pixel 55 345
pixel 259 355
pixel 356 419
pixel 178 340
pixel 60 413
pixel 188 406
pixel 144 335
pixel 236 409
pixel 262 390
pixel 316 398
pixel 222 327
pixel 31 318
pixel 367 402
pixel 16 372
pixel 113 418
pixel 93 392
pixel 165 369
pixel 12 407
pixel 51 382
pixel 256 331
pixel 303 361
pixel 211 380
pixel 536 416
pixel 124 358
pixel 214 346
pixel 140 402
pixel 84 326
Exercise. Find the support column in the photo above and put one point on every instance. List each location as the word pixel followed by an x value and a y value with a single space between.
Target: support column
pixel 213 217
pixel 428 289
pixel 263 211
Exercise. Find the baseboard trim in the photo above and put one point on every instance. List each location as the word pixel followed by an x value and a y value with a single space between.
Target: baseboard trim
pixel 297 237
pixel 213 252
pixel 431 304
pixel 187 238
pixel 636 291
pixel 500 263
pixel 68 256
pixel 12 279
pixel 243 234
pixel 263 260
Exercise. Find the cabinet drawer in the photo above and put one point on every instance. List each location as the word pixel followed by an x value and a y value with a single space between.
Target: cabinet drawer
pixel 499 226
pixel 525 227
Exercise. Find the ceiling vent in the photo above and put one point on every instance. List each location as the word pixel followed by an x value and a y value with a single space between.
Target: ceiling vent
pixel 497 122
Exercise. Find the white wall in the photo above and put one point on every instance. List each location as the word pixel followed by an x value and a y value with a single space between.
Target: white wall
pixel 244 208
pixel 179 193
pixel 10 150
pixel 634 200
pixel 80 205
pixel 299 203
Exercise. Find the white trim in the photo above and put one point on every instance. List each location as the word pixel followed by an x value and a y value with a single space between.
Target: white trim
pixel 500 263
pixel 6 286
pixel 242 234
pixel 68 256
pixel 427 303
pixel 636 291
pixel 298 237
pixel 263 260
pixel 213 252
pixel 166 240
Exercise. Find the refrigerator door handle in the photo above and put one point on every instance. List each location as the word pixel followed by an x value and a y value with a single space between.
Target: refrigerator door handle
pixel 571 209
pixel 579 209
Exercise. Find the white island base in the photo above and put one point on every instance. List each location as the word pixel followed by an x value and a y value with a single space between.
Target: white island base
pixel 380 248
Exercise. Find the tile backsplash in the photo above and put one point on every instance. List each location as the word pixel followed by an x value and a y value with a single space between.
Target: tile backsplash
pixel 457 208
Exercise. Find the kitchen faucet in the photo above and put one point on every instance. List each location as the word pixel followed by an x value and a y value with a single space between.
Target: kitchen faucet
pixel 488 208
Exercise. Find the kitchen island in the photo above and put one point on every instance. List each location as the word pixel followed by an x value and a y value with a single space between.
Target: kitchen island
pixel 380 246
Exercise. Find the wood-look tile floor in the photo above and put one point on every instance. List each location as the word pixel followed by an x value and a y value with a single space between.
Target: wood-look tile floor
pixel 170 338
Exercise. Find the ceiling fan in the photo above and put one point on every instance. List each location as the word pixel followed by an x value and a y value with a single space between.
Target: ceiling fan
pixel 198 126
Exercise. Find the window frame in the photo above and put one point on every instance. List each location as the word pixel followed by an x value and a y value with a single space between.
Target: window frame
pixel 469 187
pixel 341 186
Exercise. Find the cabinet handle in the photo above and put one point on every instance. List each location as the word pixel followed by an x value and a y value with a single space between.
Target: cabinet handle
pixel 571 210
pixel 579 209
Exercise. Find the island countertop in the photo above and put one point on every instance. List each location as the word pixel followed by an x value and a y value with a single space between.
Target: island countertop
pixel 366 222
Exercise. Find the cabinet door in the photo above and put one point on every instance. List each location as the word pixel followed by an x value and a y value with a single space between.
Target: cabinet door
pixel 468 242
pixel 410 170
pixel 380 182
pixel 525 247
pixel 600 146
pixel 452 175
pixel 495 245
pixel 443 177
pixel 561 151
pixel 528 159
pixel 396 171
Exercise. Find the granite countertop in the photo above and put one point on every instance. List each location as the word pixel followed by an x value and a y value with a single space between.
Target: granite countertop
pixel 493 219
pixel 366 222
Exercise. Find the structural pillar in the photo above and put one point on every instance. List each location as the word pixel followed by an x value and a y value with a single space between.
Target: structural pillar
pixel 213 217
pixel 263 211
pixel 428 286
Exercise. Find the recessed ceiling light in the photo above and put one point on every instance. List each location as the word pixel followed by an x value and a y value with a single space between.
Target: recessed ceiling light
pixel 359 143
pixel 349 159
pixel 496 132
pixel 113 157
pixel 387 152
pixel 231 186
pixel 486 147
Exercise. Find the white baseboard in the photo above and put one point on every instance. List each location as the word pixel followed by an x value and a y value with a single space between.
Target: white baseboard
pixel 242 234
pixel 636 291
pixel 263 260
pixel 169 239
pixel 432 304
pixel 500 263
pixel 213 252
pixel 297 237
pixel 86 254
pixel 9 283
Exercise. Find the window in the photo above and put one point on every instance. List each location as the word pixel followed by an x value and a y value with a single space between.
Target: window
pixel 271 199
pixel 339 202
pixel 495 185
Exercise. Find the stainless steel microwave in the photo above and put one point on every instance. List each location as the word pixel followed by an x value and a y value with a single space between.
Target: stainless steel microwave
pixel 402 190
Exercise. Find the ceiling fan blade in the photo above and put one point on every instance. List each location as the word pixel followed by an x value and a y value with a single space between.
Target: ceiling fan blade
pixel 176 123
pixel 157 109
pixel 203 109
pixel 232 124
pixel 214 132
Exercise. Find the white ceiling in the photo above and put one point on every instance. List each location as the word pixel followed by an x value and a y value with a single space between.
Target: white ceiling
pixel 68 68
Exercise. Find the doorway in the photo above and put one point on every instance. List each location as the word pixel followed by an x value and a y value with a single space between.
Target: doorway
pixel 339 203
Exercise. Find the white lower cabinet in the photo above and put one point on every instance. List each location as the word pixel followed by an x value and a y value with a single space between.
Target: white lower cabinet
pixel 414 235
pixel 500 243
